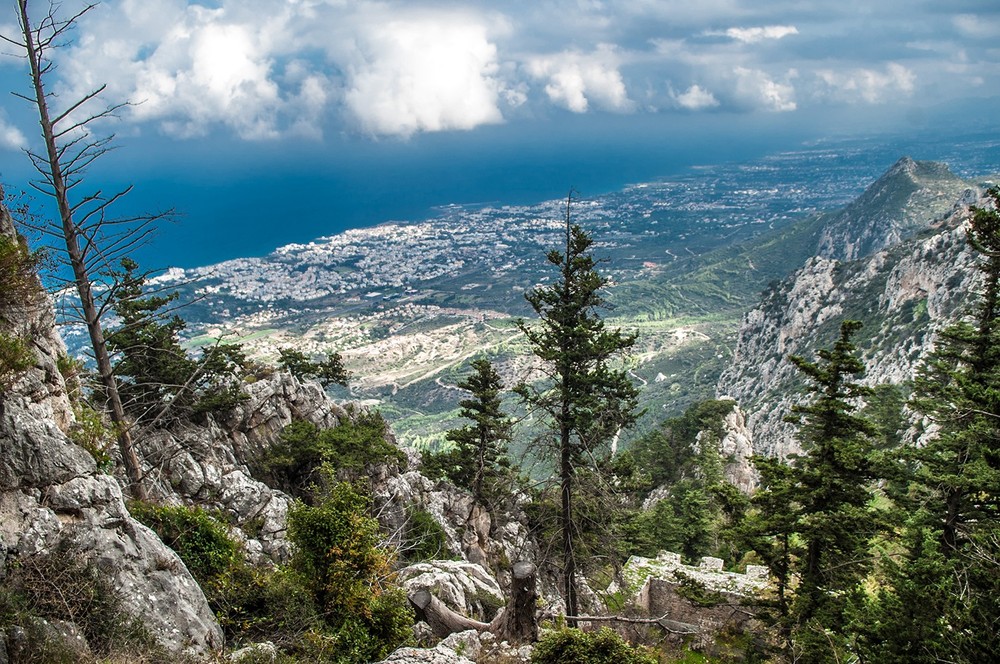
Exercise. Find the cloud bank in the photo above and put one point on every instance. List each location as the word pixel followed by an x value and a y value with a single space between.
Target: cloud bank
pixel 265 69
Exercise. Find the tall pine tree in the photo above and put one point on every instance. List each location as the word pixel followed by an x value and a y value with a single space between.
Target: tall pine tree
pixel 826 492
pixel 951 592
pixel 478 460
pixel 587 397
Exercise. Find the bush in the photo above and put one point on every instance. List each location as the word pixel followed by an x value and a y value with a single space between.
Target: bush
pixel 338 555
pixel 423 537
pixel 201 541
pixel 91 432
pixel 18 285
pixel 18 274
pixel 293 464
pixel 335 602
pixel 16 357
pixel 572 646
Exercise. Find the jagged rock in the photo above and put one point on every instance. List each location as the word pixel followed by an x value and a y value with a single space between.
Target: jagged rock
pixel 468 526
pixel 736 448
pixel 904 294
pixel 52 497
pixel 463 586
pixel 207 463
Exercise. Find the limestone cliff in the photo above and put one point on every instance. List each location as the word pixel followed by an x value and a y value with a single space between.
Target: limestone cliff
pixel 903 291
pixel 53 498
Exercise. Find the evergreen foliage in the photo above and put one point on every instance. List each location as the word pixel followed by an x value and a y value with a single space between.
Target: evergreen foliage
pixel 941 601
pixel 328 371
pixel 668 452
pixel 295 463
pixel 586 398
pixel 570 646
pixel 823 501
pixel 478 460
pixel 700 512
pixel 158 380
pixel 423 537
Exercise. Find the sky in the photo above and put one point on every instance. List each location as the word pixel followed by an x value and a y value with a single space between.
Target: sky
pixel 271 121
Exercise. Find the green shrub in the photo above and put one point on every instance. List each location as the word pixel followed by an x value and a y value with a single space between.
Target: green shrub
pixel 16 357
pixel 91 432
pixel 572 646
pixel 18 274
pixel 294 463
pixel 335 602
pixel 18 285
pixel 423 537
pixel 338 555
pixel 201 541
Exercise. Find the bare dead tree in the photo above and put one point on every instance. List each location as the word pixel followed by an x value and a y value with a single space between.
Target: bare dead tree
pixel 89 237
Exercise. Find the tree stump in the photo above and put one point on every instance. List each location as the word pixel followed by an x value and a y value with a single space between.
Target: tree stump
pixel 516 623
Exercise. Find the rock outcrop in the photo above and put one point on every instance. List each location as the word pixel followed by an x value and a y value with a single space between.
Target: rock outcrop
pixel 206 464
pixel 463 586
pixel 902 293
pixel 53 498
pixel 469 528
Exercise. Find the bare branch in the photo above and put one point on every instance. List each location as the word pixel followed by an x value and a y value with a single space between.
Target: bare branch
pixel 80 102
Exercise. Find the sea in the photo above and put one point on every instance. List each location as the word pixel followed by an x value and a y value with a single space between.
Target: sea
pixel 237 199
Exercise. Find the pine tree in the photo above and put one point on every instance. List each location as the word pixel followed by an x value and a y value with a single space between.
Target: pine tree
pixel 328 371
pixel 586 399
pixel 157 379
pixel 956 477
pixel 479 458
pixel 959 389
pixel 823 501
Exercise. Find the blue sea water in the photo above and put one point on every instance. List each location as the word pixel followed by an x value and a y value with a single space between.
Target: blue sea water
pixel 239 199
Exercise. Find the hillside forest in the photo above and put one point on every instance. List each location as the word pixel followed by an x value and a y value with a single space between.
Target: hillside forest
pixel 877 548
pixel 829 491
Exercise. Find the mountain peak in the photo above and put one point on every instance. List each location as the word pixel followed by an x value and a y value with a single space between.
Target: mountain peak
pixel 893 207
pixel 917 170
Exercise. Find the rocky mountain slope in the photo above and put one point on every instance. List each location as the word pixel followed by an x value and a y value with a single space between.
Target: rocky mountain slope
pixel 57 504
pixel 895 259
pixel 53 499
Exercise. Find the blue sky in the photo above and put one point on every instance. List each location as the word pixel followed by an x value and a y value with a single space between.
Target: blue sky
pixel 379 107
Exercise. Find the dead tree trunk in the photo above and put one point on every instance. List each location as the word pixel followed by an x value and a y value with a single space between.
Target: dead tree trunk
pixel 516 623
pixel 442 620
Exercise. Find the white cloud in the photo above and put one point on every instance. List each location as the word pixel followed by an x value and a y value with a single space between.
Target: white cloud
pixel 758 34
pixel 758 90
pixel 866 85
pixel 573 79
pixel 695 98
pixel 979 27
pixel 269 68
pixel 11 137
pixel 187 68
pixel 424 74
